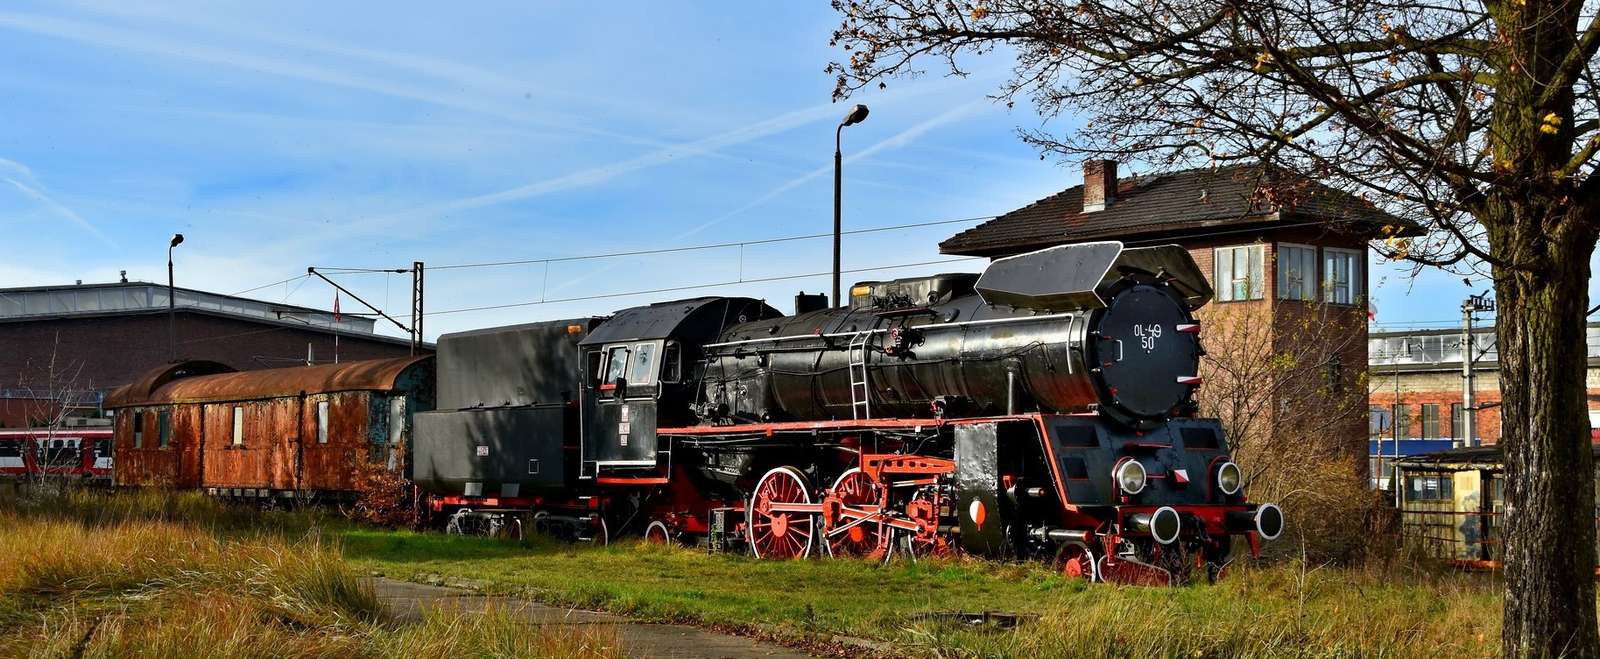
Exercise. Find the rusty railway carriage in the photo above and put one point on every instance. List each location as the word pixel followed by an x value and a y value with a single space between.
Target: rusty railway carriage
pixel 73 453
pixel 1041 410
pixel 271 433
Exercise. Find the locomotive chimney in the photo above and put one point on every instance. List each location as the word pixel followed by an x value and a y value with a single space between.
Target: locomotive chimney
pixel 1099 184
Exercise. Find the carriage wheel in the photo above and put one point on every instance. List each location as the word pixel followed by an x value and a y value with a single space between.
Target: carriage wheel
pixel 776 533
pixel 867 538
pixel 657 533
pixel 1077 561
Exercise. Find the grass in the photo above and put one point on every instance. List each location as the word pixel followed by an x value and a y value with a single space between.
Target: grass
pixel 157 574
pixel 140 576
pixel 1260 611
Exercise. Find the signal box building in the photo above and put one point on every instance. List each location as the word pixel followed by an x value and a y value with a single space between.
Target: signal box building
pixel 1287 258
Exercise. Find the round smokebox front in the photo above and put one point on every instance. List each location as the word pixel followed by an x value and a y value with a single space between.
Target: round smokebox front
pixel 1145 361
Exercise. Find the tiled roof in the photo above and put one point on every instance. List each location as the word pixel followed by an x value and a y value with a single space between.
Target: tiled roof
pixel 1173 204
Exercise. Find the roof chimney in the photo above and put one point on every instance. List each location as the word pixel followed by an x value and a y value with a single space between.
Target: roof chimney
pixel 1099 184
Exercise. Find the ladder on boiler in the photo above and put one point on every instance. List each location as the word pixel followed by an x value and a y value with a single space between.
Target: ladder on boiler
pixel 860 391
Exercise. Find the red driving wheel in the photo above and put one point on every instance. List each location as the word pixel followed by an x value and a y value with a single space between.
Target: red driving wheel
pixel 1076 561
pixel 849 536
pixel 774 532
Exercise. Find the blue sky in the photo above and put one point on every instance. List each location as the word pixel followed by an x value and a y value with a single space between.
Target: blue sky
pixel 287 134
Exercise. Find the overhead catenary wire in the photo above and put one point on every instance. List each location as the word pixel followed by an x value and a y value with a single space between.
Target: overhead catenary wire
pixel 692 248
pixel 688 287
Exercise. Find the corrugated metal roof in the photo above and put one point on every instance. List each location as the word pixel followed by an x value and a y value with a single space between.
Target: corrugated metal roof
pixel 185 383
pixel 1169 204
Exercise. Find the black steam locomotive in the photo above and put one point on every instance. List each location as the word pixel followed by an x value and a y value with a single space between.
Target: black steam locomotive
pixel 1041 410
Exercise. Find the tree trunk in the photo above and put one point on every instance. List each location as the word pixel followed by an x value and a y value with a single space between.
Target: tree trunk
pixel 1549 531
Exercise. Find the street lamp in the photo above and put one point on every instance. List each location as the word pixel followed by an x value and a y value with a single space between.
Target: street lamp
pixel 172 304
pixel 856 116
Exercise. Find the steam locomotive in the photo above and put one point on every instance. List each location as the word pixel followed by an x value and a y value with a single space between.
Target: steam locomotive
pixel 1042 409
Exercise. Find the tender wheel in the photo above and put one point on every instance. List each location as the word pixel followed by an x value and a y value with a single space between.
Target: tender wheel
pixel 1077 560
pixel 658 534
pixel 773 531
pixel 864 537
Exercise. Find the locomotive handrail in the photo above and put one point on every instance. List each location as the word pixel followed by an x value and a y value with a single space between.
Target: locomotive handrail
pixel 836 335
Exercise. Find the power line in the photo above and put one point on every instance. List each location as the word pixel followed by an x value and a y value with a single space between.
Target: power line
pixel 689 248
pixel 251 290
pixel 695 286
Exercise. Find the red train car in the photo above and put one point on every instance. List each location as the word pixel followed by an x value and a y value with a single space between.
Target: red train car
pixel 74 453
pixel 267 433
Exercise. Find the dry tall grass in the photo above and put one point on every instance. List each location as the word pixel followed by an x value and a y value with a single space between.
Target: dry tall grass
pixel 143 577
pixel 1279 611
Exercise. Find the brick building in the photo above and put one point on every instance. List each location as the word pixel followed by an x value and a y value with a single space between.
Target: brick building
pixel 1287 258
pixel 70 345
pixel 1422 370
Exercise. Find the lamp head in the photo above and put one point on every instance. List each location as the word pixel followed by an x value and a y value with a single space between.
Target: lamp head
pixel 857 115
pixel 177 239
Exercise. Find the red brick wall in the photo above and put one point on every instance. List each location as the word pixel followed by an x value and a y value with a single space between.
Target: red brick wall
pixel 109 351
pixel 1487 420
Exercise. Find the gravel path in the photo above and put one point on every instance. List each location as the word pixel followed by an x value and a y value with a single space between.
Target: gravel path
pixel 642 639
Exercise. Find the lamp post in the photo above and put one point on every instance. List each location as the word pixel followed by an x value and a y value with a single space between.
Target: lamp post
pixel 172 304
pixel 856 116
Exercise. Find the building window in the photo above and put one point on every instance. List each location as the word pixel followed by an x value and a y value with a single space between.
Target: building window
pixel 1336 374
pixel 1239 273
pixel 1430 421
pixel 1458 423
pixel 1377 422
pixel 1297 272
pixel 238 426
pixel 1430 488
pixel 164 428
pixel 1402 421
pixel 138 429
pixel 1341 275
pixel 322 422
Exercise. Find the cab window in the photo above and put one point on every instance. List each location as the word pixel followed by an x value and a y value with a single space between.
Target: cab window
pixel 644 364
pixel 616 364
pixel 670 362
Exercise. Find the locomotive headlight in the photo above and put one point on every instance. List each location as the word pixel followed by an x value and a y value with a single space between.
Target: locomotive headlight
pixel 1130 476
pixel 1229 478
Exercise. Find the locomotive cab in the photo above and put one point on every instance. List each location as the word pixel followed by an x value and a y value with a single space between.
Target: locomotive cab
pixel 636 379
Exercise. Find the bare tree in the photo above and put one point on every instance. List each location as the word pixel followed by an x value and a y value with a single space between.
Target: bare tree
pixel 1479 116
pixel 1292 404
pixel 51 391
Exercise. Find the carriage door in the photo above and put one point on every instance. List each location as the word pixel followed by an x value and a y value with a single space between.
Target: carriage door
pixel 619 421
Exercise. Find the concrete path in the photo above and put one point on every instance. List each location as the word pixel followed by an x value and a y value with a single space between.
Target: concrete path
pixel 642 639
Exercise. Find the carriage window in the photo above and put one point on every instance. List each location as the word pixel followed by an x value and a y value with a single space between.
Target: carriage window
pixel 670 366
pixel 138 429
pixel 644 364
pixel 616 364
pixel 10 450
pixel 164 427
pixel 397 419
pixel 238 426
pixel 322 422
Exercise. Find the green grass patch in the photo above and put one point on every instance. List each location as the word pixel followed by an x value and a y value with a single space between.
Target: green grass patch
pixel 1256 611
